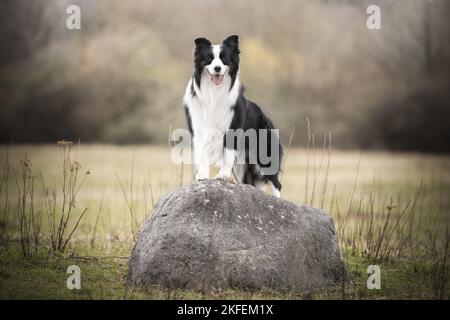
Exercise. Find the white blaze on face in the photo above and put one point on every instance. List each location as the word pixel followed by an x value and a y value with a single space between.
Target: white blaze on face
pixel 216 68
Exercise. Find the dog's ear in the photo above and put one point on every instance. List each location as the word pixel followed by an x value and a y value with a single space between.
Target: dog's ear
pixel 202 42
pixel 232 42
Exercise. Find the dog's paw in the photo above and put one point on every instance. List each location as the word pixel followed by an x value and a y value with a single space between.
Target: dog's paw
pixel 222 177
pixel 201 177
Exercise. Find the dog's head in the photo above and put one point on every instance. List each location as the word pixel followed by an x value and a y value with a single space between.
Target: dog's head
pixel 216 61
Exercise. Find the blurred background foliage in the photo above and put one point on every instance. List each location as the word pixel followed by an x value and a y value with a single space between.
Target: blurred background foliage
pixel 121 78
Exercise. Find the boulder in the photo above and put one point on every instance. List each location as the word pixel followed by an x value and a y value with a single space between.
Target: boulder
pixel 218 234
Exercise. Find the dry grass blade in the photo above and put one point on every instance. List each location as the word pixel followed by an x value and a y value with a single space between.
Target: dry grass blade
pixel 327 172
pixel 307 160
pixel 4 204
pixel 352 194
pixel 291 137
pixel 99 213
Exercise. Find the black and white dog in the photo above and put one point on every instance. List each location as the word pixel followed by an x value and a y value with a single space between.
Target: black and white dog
pixel 218 115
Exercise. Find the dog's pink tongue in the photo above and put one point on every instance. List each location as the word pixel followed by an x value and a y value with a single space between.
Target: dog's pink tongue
pixel 217 79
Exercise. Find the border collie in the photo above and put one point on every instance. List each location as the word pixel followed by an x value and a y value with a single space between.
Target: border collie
pixel 216 108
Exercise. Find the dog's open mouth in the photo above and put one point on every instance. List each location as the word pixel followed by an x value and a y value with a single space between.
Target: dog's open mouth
pixel 217 79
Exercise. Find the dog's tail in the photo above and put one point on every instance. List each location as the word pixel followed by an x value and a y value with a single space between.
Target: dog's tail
pixel 273 136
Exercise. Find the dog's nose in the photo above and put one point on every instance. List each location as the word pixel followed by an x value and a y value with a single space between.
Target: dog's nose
pixel 217 68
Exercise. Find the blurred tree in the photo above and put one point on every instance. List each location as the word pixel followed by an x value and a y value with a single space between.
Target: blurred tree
pixel 121 77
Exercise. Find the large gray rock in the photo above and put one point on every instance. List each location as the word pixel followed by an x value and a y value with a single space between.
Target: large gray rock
pixel 220 234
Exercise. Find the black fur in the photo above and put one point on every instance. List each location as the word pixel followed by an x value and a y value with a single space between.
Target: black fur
pixel 230 56
pixel 248 115
pixel 203 56
pixel 188 120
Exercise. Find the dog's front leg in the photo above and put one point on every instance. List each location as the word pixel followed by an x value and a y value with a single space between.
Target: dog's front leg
pixel 202 172
pixel 227 164
pixel 201 163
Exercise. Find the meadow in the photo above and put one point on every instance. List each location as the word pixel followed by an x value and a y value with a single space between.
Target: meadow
pixel 390 210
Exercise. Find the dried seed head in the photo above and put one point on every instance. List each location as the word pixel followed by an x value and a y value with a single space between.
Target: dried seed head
pixel 77 165
pixel 64 143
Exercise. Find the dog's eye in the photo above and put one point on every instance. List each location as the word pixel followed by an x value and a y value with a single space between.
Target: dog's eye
pixel 223 58
pixel 207 59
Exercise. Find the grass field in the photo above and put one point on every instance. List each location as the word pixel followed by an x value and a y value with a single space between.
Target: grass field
pixel 390 209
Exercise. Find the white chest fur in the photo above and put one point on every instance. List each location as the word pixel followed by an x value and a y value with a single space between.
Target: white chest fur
pixel 211 115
